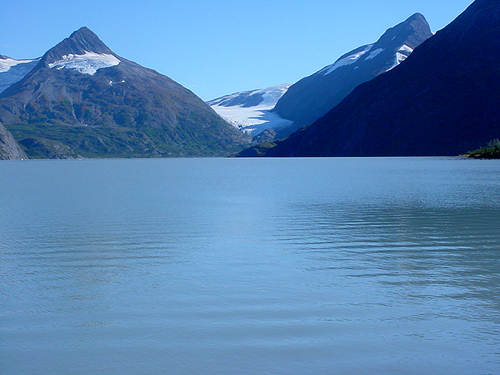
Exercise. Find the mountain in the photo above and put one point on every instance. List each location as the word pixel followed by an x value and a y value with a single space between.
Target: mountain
pixel 83 100
pixel 9 148
pixel 313 97
pixel 443 100
pixel 12 71
pixel 250 111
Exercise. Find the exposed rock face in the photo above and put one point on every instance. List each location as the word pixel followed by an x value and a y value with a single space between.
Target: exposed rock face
pixel 9 148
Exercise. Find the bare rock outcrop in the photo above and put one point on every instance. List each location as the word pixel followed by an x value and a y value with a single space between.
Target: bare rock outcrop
pixel 9 148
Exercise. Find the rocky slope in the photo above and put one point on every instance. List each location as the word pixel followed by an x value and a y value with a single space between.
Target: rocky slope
pixel 9 148
pixel 83 100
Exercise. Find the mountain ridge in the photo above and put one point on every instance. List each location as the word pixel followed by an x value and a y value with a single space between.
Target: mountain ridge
pixel 83 100
pixel 79 42
pixel 431 105
pixel 312 97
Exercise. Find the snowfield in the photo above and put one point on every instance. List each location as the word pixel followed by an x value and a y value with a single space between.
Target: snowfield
pixel 6 64
pixel 256 118
pixel 89 63
pixel 12 71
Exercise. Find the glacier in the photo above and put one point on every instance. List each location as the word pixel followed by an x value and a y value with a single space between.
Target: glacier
pixel 252 119
pixel 12 71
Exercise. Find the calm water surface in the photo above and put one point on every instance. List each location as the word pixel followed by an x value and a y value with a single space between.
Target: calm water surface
pixel 250 266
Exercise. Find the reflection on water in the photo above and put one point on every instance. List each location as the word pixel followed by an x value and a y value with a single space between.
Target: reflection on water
pixel 414 253
pixel 214 266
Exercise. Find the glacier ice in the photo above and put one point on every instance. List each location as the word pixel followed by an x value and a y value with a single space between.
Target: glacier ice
pixel 88 63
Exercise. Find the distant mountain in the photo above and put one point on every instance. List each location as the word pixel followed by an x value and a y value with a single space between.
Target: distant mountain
pixel 250 111
pixel 314 96
pixel 443 100
pixel 12 71
pixel 83 100
pixel 9 148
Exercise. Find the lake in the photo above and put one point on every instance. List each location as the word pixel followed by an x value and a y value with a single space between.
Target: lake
pixel 250 266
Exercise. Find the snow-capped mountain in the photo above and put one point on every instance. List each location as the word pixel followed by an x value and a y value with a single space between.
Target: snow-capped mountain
pixel 250 111
pixel 314 96
pixel 443 100
pixel 82 99
pixel 12 71
pixel 88 63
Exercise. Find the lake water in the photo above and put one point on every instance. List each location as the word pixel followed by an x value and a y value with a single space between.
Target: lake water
pixel 250 266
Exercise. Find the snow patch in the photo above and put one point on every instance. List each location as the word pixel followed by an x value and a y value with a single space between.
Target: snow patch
pixel 401 55
pixel 89 63
pixel 400 58
pixel 374 54
pixel 403 52
pixel 404 48
pixel 348 60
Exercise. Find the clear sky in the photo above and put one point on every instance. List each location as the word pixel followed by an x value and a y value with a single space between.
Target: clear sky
pixel 219 47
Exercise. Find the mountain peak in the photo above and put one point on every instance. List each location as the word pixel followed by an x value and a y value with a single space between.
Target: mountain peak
pixel 416 17
pixel 411 32
pixel 84 100
pixel 80 42
pixel 313 97
pixel 435 103
pixel 84 37
pixel 82 30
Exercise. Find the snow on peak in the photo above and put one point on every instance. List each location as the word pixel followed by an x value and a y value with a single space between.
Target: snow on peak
pixel 88 63
pixel 348 60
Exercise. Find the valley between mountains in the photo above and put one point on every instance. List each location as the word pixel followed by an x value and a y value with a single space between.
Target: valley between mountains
pixel 412 92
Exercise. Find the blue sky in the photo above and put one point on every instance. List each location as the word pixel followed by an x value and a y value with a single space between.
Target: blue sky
pixel 217 47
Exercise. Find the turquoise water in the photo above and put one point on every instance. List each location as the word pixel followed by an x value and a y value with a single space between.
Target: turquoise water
pixel 250 266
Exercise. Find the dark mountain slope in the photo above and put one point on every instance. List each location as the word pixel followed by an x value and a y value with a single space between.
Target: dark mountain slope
pixel 84 100
pixel 313 97
pixel 443 100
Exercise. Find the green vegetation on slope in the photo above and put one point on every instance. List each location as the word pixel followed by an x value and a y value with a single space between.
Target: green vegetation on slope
pixel 491 151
